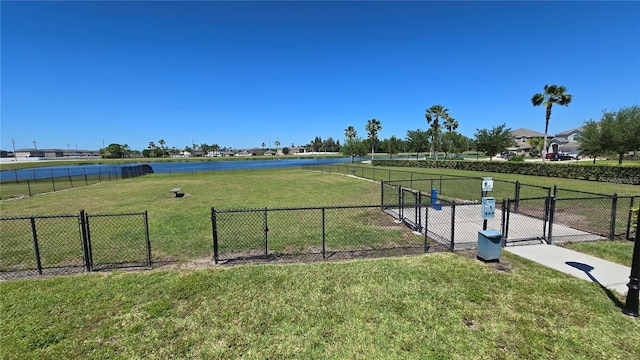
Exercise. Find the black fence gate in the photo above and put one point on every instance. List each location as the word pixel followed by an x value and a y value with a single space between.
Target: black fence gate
pixel 70 243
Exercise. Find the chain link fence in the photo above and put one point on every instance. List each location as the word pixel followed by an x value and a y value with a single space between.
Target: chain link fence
pixel 447 215
pixel 71 243
pixel 118 240
pixel 38 245
pixel 38 181
pixel 310 234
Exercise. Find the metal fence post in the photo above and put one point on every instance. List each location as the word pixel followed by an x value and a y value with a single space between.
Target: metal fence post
pixel 29 186
pixel 415 210
pixel 419 210
pixel 85 240
pixel 400 203
pixel 614 209
pixel 323 236
pixel 147 240
pixel 505 232
pixel 502 223
pixel 545 217
pixel 426 227
pixel 36 248
pixel 453 228
pixel 552 211
pixel 517 196
pixel 266 230
pixel 214 234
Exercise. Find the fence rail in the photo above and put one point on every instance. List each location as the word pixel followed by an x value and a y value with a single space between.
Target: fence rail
pixel 67 243
pixel 313 233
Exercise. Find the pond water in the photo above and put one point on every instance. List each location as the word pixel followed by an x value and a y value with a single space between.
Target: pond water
pixel 162 167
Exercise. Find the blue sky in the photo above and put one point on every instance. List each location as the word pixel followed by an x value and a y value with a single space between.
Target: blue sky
pixel 242 73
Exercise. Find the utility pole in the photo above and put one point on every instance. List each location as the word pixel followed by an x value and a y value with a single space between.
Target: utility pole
pixel 15 158
pixel 34 145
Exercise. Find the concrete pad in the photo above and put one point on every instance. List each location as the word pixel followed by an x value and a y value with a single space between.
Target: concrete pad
pixel 608 274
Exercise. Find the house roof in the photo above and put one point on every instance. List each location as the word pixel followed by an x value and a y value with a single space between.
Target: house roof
pixel 526 132
pixel 569 132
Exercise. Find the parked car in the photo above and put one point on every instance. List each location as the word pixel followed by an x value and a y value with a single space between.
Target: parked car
pixel 561 157
pixel 507 154
pixel 550 156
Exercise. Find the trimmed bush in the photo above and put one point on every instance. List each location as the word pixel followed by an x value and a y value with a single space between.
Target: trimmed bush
pixel 604 173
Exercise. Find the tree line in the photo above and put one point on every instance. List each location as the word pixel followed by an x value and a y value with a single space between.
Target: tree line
pixel 617 132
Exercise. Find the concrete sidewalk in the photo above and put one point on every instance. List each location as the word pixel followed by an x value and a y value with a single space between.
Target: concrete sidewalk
pixel 608 274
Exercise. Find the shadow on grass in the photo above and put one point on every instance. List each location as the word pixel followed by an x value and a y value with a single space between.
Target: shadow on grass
pixel 587 270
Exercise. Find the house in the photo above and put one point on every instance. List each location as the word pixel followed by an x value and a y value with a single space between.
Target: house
pixel 244 153
pixel 567 142
pixel 522 138
pixel 4 154
pixel 296 150
pixel 270 153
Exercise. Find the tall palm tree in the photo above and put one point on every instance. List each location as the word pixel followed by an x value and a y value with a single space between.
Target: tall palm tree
pixel 450 124
pixel 373 126
pixel 152 147
pixel 433 116
pixel 277 143
pixel 350 132
pixel 162 142
pixel 553 94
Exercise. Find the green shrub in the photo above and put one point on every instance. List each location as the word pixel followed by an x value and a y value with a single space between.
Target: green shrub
pixel 604 173
pixel 517 158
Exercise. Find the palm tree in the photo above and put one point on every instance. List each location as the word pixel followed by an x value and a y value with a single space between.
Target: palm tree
pixel 553 94
pixel 350 132
pixel 535 144
pixel 373 126
pixel 162 142
pixel 450 124
pixel 433 116
pixel 277 143
pixel 152 147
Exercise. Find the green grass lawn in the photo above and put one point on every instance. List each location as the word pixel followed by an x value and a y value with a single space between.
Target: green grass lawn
pixel 387 173
pixel 180 228
pixel 617 251
pixel 430 306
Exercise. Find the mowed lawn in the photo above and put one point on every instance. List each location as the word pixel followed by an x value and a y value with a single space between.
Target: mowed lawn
pixel 180 228
pixel 431 306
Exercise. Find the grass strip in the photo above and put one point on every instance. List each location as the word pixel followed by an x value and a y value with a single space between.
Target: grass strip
pixel 431 306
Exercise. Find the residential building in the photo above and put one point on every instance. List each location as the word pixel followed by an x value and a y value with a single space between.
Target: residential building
pixel 567 142
pixel 522 138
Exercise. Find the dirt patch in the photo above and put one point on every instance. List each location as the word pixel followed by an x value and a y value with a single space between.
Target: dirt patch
pixel 503 265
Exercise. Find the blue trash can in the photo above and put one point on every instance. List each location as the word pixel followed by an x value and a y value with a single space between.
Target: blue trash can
pixel 489 245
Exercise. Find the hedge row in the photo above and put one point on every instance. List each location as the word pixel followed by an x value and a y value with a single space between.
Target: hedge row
pixel 604 173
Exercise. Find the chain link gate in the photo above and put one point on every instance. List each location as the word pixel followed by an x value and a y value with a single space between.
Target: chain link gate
pixel 67 243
